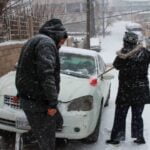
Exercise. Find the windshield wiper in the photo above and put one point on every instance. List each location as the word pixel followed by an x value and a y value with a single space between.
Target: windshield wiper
pixel 72 73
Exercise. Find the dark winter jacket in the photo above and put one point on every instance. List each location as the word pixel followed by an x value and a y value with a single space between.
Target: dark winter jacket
pixel 38 72
pixel 133 78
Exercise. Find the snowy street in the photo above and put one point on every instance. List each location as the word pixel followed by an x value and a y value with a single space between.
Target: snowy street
pixel 110 45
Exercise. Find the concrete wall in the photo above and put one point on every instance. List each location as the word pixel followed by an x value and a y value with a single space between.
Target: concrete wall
pixel 9 55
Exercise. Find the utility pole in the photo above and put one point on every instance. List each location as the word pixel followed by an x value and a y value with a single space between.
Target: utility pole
pixel 92 32
pixel 88 24
pixel 103 17
pixel 131 12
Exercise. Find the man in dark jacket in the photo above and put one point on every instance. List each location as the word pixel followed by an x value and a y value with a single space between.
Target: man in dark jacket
pixel 37 81
pixel 132 62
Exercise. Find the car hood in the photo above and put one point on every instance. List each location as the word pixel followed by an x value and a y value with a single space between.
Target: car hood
pixel 71 87
pixel 74 87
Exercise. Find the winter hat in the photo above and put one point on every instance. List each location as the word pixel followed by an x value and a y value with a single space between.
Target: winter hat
pixel 130 37
pixel 55 29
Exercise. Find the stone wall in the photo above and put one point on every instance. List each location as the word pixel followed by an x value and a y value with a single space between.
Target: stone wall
pixel 9 55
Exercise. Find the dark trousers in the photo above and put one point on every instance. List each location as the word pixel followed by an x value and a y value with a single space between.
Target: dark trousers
pixel 118 130
pixel 43 128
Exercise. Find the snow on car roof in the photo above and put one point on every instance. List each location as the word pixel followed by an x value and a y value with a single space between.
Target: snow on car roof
pixel 78 51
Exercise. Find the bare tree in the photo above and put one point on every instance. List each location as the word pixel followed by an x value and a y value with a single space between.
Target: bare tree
pixel 3 4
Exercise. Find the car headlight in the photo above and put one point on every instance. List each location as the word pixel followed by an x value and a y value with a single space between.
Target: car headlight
pixel 84 103
pixel 22 123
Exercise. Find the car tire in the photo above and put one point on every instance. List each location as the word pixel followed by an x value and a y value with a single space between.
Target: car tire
pixel 108 97
pixel 93 138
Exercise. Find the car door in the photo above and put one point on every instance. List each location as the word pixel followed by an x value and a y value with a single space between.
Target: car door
pixel 103 84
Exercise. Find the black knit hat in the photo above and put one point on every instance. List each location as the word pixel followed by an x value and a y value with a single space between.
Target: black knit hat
pixel 55 29
pixel 54 25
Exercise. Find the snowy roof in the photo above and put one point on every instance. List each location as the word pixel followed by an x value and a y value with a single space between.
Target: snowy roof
pixel 12 42
pixel 147 12
pixel 95 41
pixel 78 51
pixel 133 25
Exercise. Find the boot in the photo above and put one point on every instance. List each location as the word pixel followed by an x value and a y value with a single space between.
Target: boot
pixel 140 141
pixel 114 142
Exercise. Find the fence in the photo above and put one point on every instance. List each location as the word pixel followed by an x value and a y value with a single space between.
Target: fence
pixel 18 27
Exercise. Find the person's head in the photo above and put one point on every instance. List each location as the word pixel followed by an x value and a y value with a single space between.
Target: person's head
pixel 55 29
pixel 130 39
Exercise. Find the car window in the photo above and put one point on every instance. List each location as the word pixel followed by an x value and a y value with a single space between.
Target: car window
pixel 102 65
pixel 76 64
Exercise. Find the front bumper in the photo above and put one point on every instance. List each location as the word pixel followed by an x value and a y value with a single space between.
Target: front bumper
pixel 77 125
pixel 8 119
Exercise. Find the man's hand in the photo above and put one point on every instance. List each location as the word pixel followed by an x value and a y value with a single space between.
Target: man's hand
pixel 51 112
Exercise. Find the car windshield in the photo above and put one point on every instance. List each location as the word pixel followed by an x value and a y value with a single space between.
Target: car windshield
pixel 77 65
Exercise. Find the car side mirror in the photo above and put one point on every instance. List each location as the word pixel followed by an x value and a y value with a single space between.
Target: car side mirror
pixel 107 77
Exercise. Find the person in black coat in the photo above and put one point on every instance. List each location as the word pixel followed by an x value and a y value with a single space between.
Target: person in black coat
pixel 38 79
pixel 132 62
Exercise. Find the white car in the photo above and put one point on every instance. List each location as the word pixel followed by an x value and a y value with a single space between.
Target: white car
pixel 83 94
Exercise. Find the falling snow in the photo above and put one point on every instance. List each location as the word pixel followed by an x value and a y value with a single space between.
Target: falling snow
pixel 110 45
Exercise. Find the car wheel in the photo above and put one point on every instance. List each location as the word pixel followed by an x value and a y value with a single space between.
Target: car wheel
pixel 94 136
pixel 108 97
